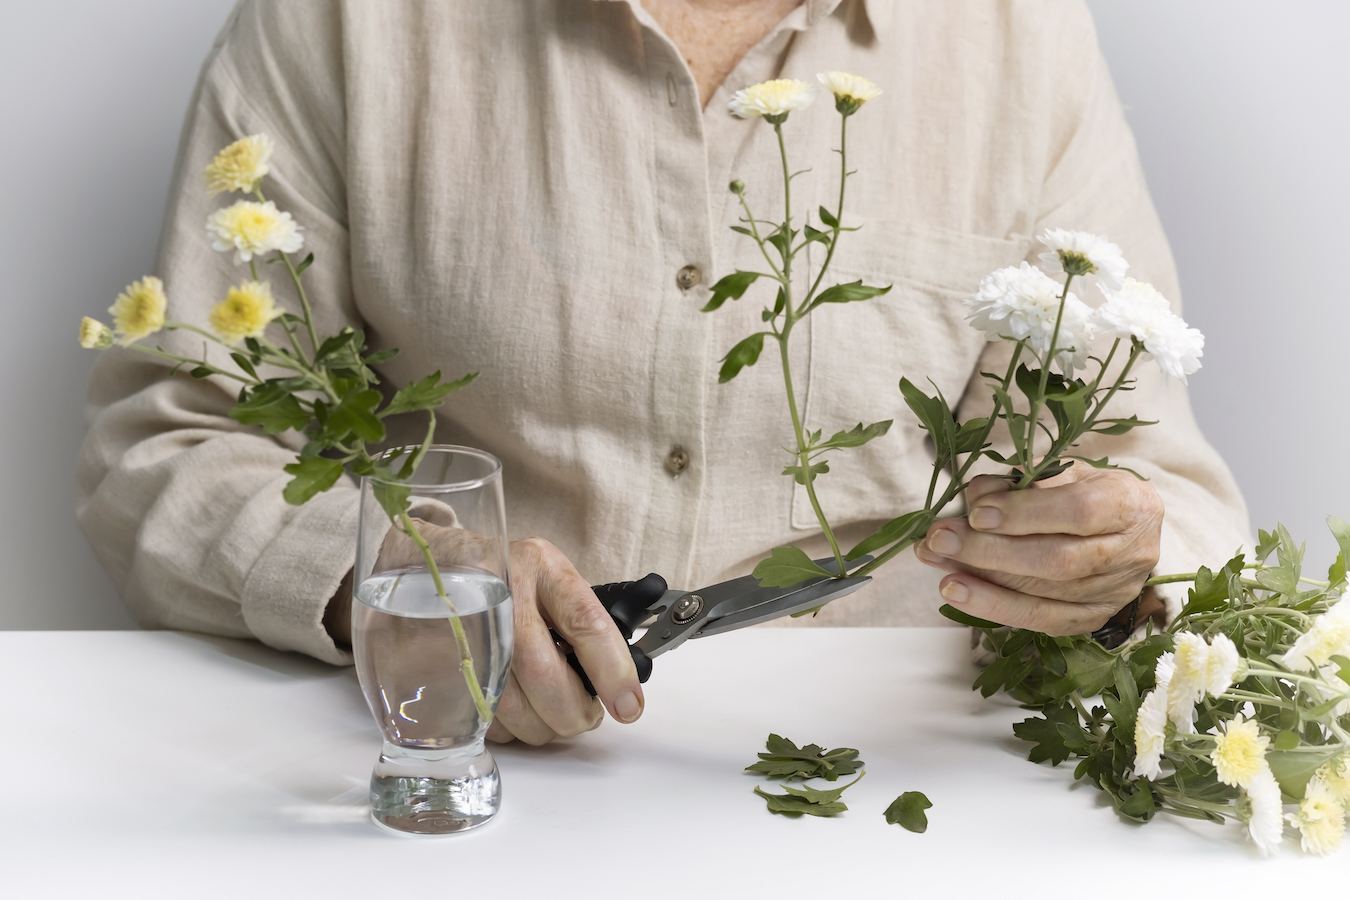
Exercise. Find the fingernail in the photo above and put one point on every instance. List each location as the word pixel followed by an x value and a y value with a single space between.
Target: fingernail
pixel 628 707
pixel 945 542
pixel 924 554
pixel 955 592
pixel 985 518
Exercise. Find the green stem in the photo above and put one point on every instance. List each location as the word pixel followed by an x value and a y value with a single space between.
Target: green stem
pixel 1027 474
pixel 1082 711
pixel 838 213
pixel 183 360
pixel 461 639
pixel 803 457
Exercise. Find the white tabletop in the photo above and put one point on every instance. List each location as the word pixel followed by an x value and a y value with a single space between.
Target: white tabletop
pixel 150 765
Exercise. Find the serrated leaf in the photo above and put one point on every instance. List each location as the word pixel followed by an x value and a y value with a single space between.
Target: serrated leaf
pixel 1266 542
pixel 785 760
pixel 746 353
pixel 790 805
pixel 787 566
pixel 730 287
pixel 801 477
pixel 906 527
pixel 1089 669
pixel 355 414
pixel 854 437
pixel 849 293
pixel 381 356
pixel 428 393
pixel 271 407
pixel 907 811
pixel 309 476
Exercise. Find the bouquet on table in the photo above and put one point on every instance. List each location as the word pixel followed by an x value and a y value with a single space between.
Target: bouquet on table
pixel 1241 706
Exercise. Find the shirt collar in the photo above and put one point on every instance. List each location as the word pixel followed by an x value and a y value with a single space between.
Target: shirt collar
pixel 878 13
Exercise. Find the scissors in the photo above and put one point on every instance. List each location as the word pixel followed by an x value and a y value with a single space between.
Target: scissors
pixel 673 617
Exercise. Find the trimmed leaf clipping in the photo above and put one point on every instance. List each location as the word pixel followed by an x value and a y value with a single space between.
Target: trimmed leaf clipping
pixel 908 812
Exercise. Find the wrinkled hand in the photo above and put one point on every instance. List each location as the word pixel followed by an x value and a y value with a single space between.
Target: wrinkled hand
pixel 544 698
pixel 1061 558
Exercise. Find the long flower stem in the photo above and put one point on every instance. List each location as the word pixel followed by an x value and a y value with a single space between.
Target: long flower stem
pixel 461 639
pixel 1028 475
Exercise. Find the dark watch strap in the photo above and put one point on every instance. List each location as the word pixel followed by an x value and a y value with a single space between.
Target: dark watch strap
pixel 1118 630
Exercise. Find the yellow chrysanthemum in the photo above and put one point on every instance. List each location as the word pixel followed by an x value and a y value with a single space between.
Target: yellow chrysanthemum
pixel 1320 819
pixel 1329 636
pixel 253 229
pixel 239 166
pixel 1335 774
pixel 139 310
pixel 850 91
pixel 244 312
pixel 1239 752
pixel 94 335
pixel 772 99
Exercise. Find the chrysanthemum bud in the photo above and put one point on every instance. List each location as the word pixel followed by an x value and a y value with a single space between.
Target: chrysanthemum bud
pixel 94 335
pixel 737 187
pixel 139 310
pixel 850 91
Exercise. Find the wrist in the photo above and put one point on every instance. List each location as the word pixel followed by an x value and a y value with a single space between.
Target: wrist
pixel 337 616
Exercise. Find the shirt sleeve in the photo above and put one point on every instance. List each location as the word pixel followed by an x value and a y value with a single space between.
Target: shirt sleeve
pixel 183 505
pixel 1094 182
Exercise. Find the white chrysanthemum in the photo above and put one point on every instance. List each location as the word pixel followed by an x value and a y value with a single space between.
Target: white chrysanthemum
pixel 1137 311
pixel 139 310
pixel 1266 824
pixel 1329 636
pixel 1082 253
pixel 1221 665
pixel 245 312
pixel 253 229
pixel 239 166
pixel 772 99
pixel 850 91
pixel 1320 819
pixel 1239 752
pixel 1021 303
pixel 1150 734
pixel 1187 686
pixel 94 335
pixel 1335 774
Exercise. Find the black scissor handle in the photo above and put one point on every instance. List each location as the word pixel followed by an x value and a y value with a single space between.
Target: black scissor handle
pixel 627 603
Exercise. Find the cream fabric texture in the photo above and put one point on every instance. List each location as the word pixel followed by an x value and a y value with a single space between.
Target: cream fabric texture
pixel 511 187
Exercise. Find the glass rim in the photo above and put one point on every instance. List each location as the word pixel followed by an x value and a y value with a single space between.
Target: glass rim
pixel 467 484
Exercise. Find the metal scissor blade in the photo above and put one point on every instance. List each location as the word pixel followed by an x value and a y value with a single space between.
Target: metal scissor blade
pixel 803 597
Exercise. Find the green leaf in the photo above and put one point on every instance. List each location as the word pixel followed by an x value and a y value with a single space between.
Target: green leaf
pixel 428 393
pixel 785 759
pixel 781 241
pixel 1343 662
pixel 809 474
pixel 849 293
pixel 310 475
pixel 854 437
pixel 935 417
pixel 746 353
pixel 1089 669
pixel 828 218
pixel 791 805
pixel 787 566
pixel 814 235
pixel 731 287
pixel 1057 736
pixel 393 498
pixel 1120 426
pixel 1293 769
pixel 342 350
pixel 970 436
pixel 1266 542
pixel 244 363
pixel 201 372
pixel 956 615
pixel 906 527
pixel 304 264
pixel 382 356
pixel 907 811
pixel 1286 740
pixel 271 407
pixel 355 414
pixel 1102 463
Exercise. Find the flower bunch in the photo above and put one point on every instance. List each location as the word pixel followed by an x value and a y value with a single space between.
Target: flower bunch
pixel 1238 709
pixel 328 389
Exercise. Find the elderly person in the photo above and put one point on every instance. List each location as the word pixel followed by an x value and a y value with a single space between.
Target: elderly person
pixel 536 190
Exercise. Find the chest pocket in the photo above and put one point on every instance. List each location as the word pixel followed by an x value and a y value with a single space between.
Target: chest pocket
pixel 860 351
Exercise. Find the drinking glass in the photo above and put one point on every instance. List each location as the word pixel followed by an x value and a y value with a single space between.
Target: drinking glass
pixel 433 640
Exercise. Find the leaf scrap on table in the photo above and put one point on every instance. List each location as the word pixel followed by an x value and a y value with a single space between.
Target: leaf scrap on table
pixel 908 812
pixel 785 759
pixel 808 801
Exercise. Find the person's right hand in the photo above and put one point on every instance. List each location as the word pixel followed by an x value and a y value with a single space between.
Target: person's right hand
pixel 544 698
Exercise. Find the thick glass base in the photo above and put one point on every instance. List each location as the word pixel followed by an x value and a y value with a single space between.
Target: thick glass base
pixel 421 792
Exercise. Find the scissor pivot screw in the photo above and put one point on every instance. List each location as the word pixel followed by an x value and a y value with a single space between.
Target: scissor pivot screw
pixel 686 608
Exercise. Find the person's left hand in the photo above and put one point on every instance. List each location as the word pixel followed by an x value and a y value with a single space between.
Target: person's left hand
pixel 1062 557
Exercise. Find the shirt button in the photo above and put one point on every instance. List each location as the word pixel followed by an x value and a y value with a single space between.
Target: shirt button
pixel 688 277
pixel 676 461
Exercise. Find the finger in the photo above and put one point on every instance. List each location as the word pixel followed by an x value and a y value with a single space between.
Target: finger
pixel 569 603
pixel 517 718
pixel 1052 557
pixel 1094 506
pixel 1008 607
pixel 549 686
pixel 983 485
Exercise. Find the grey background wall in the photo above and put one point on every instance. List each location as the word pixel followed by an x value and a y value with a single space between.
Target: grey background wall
pixel 1241 109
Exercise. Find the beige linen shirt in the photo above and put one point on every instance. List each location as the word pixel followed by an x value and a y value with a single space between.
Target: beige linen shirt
pixel 512 187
